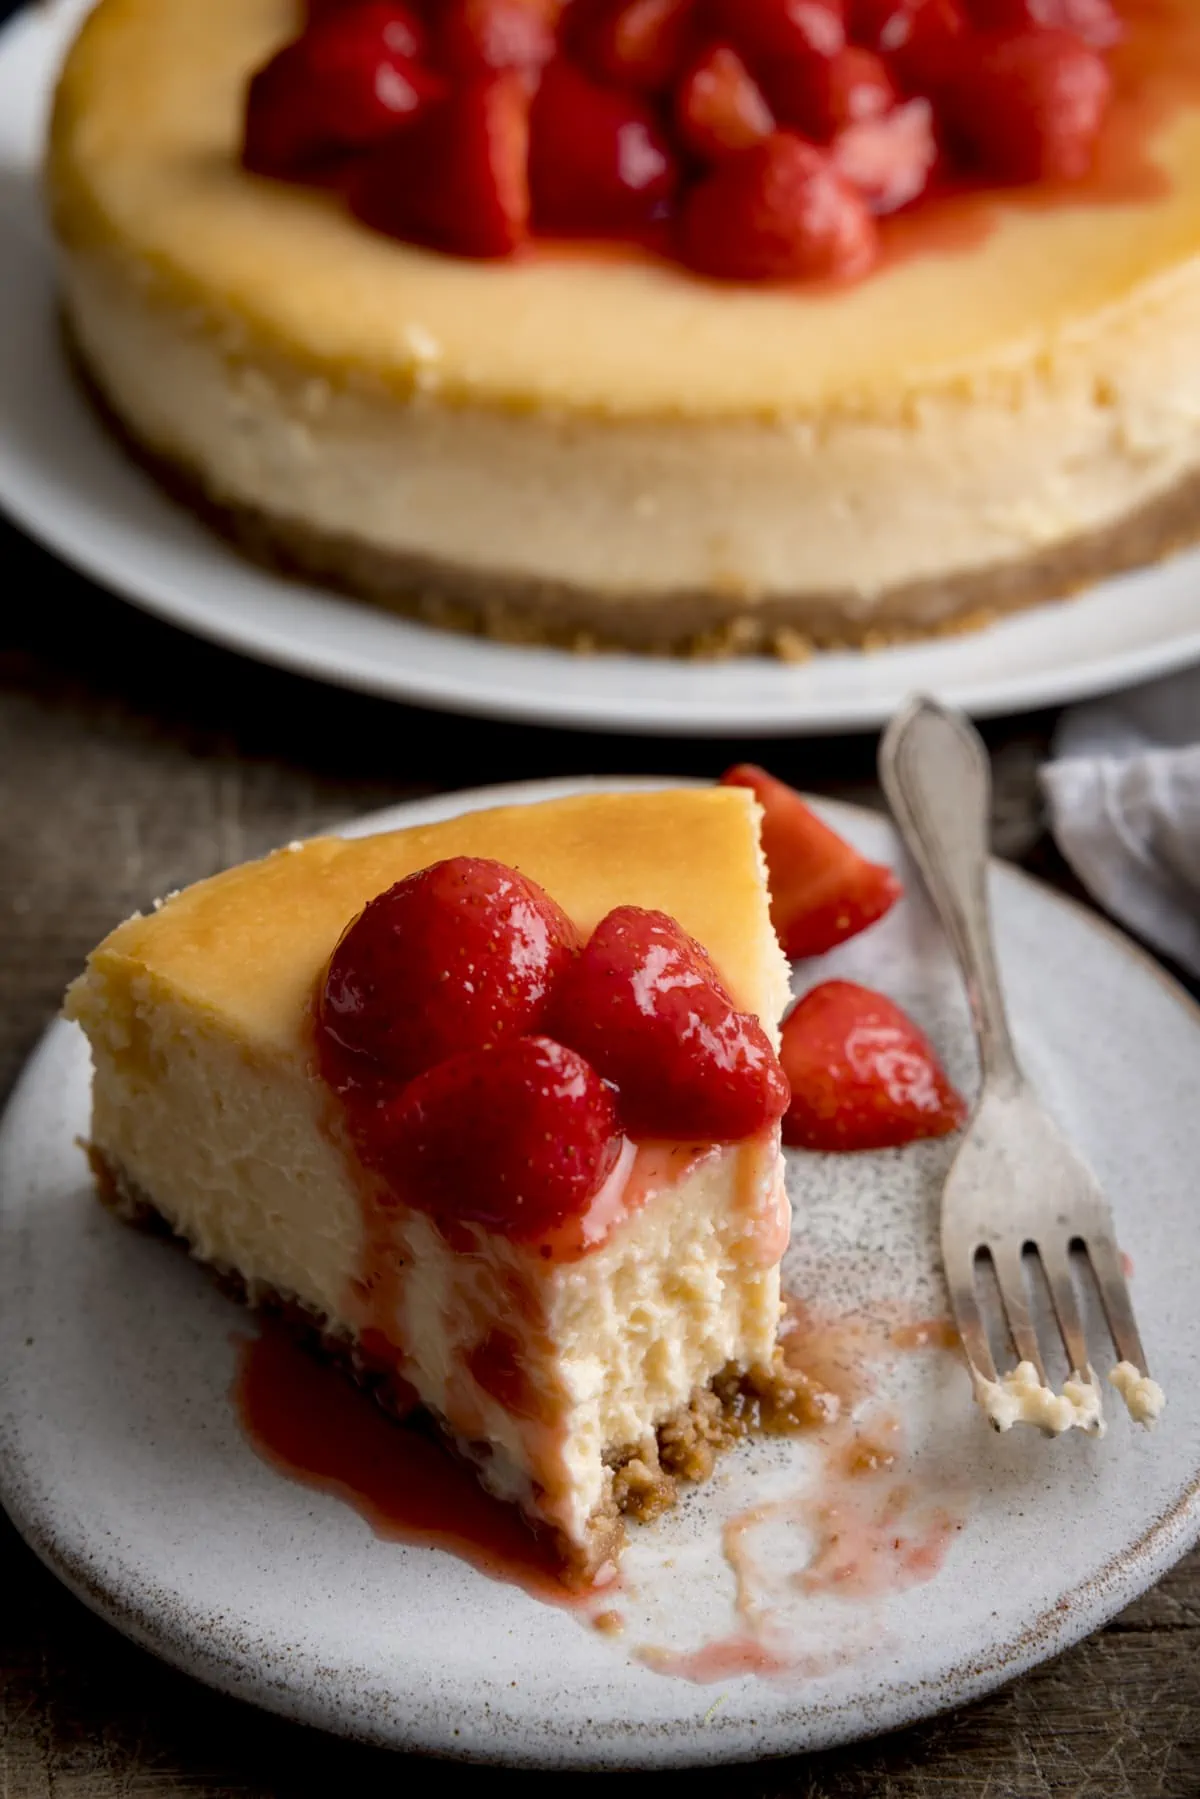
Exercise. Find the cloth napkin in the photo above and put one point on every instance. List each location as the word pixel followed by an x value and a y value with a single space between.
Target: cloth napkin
pixel 1123 794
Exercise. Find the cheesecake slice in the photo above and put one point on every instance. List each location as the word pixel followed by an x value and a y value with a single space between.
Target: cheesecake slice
pixel 588 1319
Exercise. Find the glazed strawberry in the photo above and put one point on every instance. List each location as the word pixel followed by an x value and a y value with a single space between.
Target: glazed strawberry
pixel 473 38
pixel 1095 21
pixel 862 1075
pixel 778 212
pixel 456 957
pixel 518 1138
pixel 822 95
pixel 917 38
pixel 348 83
pixel 458 180
pixel 405 33
pixel 599 162
pixel 719 107
pixel 889 160
pixel 822 890
pixel 631 43
pixel 645 1005
pixel 1029 107
pixel 770 31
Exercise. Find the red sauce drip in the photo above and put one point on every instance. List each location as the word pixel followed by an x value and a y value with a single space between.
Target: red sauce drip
pixel 497 1366
pixel 307 1421
pixel 723 1659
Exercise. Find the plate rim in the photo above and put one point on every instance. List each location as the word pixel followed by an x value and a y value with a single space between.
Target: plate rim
pixel 1127 1574
pixel 477 680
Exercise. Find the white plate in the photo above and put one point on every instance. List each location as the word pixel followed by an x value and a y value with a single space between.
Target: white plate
pixel 64 481
pixel 123 1464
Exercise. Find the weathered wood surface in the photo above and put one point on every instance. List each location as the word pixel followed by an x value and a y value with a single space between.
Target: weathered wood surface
pixel 133 760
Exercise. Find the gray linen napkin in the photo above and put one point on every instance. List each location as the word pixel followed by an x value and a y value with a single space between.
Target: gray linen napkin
pixel 1123 793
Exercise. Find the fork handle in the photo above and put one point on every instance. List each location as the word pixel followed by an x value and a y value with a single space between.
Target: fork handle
pixel 935 772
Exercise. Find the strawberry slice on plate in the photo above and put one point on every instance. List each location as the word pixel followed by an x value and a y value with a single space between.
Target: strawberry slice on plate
pixel 862 1075
pixel 822 890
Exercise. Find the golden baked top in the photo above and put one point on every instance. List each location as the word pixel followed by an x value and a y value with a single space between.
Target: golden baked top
pixel 143 167
pixel 247 947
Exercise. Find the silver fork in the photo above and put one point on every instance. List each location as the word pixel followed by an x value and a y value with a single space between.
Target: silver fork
pixel 1016 1190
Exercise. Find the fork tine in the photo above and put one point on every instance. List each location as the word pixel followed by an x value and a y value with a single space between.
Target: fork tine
pixel 1008 1263
pixel 959 1263
pixel 1056 1266
pixel 1105 1259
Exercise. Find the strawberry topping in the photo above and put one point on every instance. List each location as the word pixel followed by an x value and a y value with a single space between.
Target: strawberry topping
pixel 861 1073
pixel 458 179
pixel 1095 21
pixel 645 1005
pixel 889 160
pixel 631 43
pixel 769 32
pixel 473 38
pixel 822 890
pixel 599 162
pixel 518 1138
pixel 822 95
pixel 719 107
pixel 1029 107
pixel 781 211
pixel 349 82
pixel 918 38
pixel 688 127
pixel 460 956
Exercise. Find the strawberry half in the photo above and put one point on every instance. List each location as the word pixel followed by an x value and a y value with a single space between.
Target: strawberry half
pixel 822 891
pixel 719 107
pixel 889 160
pixel 861 1073
pixel 459 179
pixel 474 38
pixel 916 38
pixel 1029 107
pixel 458 956
pixel 350 82
pixel 780 211
pixel 631 43
pixel 519 1138
pixel 822 95
pixel 770 31
pixel 646 1007
pixel 599 162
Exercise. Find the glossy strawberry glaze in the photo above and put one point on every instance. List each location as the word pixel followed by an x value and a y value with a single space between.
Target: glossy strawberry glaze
pixel 306 1420
pixel 1156 75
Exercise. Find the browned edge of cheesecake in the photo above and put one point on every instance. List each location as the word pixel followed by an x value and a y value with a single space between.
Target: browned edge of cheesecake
pixel 645 1476
pixel 700 625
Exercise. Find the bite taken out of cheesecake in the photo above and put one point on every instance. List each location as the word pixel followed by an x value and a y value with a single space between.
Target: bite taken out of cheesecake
pixel 495 1105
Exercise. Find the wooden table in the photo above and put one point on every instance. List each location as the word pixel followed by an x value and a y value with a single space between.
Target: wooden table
pixel 134 760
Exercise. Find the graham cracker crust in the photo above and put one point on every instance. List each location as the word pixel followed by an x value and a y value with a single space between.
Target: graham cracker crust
pixel 645 1476
pixel 701 624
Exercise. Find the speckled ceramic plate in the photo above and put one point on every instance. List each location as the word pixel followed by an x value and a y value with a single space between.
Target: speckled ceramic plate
pixel 62 478
pixel 123 1462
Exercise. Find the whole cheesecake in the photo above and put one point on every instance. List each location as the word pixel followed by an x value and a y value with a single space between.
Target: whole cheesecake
pixel 596 444
pixel 577 1277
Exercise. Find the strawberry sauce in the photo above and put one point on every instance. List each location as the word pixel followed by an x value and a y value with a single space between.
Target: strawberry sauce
pixel 306 1420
